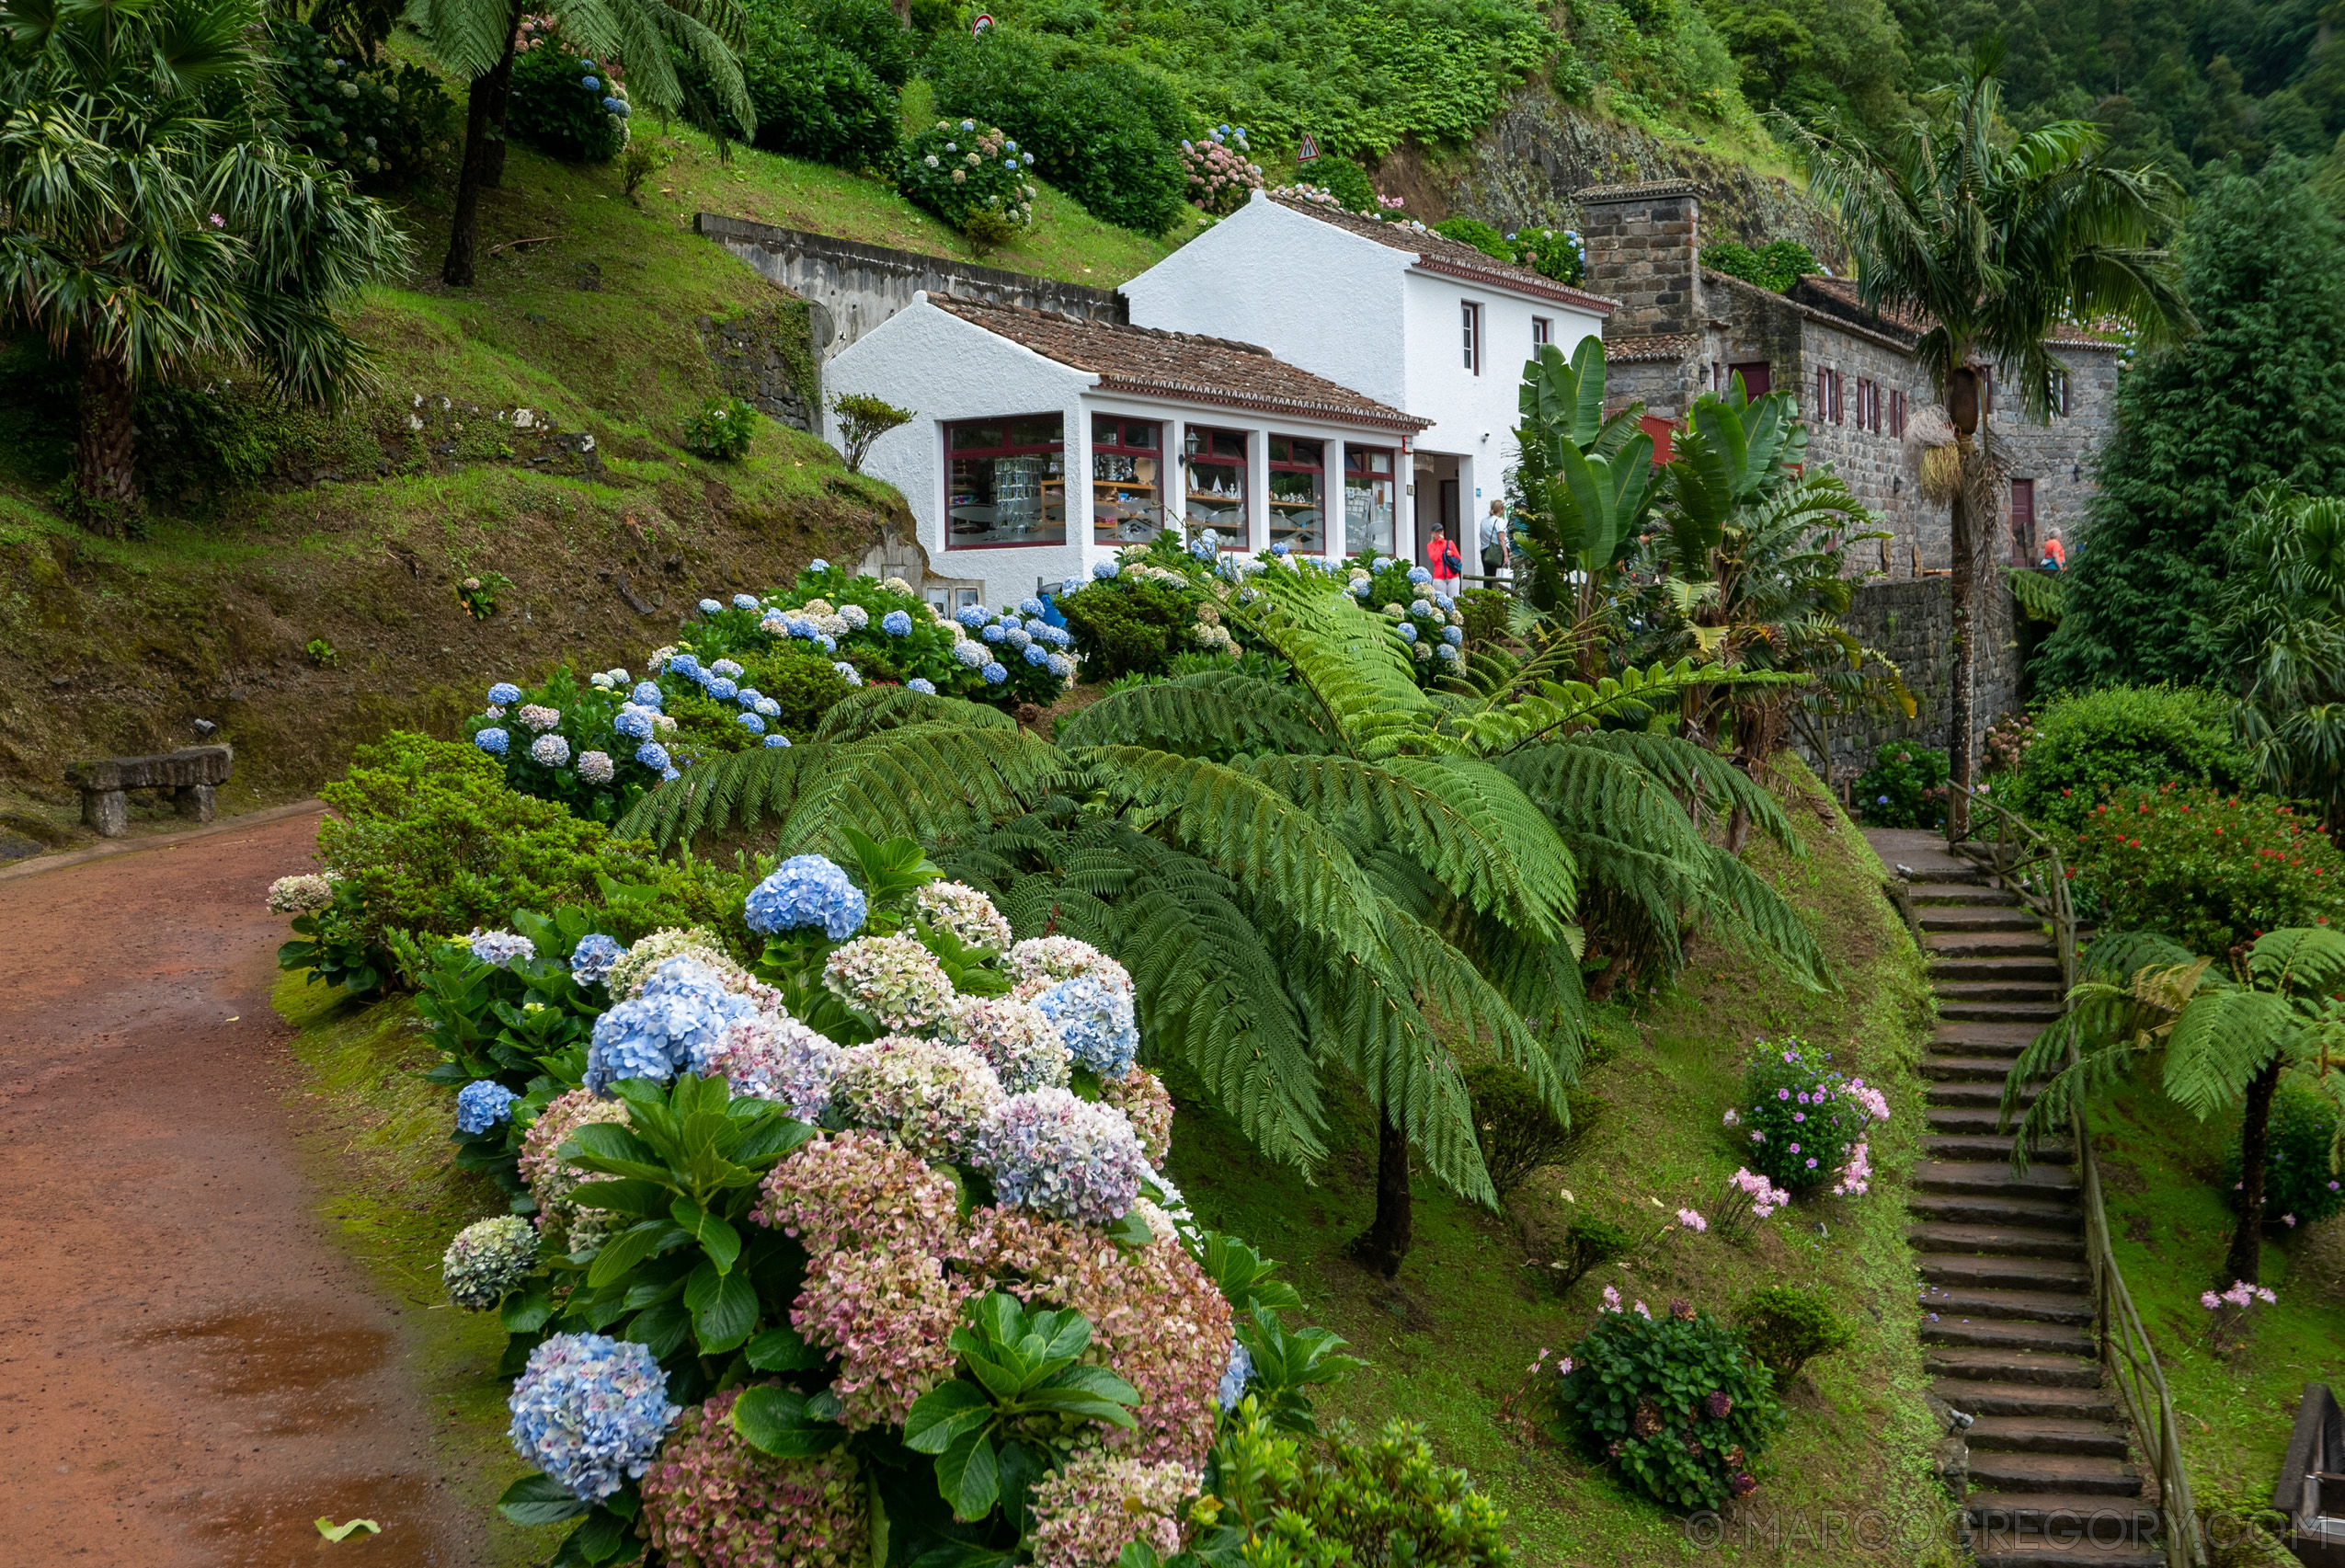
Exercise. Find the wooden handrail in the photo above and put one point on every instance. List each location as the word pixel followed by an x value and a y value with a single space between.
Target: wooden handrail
pixel 2029 863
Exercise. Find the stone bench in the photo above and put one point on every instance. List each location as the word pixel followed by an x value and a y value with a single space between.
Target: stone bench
pixel 191 775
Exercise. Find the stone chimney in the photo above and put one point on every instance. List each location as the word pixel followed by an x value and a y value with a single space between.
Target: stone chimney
pixel 1641 242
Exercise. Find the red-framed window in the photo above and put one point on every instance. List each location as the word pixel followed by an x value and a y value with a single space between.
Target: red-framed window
pixel 2023 522
pixel 1215 494
pixel 1896 413
pixel 1298 477
pixel 1542 330
pixel 1371 507
pixel 1126 479
pixel 1005 482
pixel 1469 314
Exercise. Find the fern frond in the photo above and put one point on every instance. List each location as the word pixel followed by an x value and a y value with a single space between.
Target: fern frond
pixel 1215 712
pixel 1448 984
pixel 1763 919
pixel 2118 956
pixel 1558 708
pixel 2299 960
pixel 745 787
pixel 2221 1040
pixel 922 781
pixel 871 709
pixel 1347 659
pixel 2093 1075
pixel 1701 773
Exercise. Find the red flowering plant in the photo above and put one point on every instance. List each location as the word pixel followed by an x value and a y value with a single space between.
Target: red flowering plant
pixel 2211 871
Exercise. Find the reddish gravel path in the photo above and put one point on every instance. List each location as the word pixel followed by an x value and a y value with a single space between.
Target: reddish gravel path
pixel 189 1372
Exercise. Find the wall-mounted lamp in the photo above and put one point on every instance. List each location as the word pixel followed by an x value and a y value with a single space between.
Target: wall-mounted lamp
pixel 1191 443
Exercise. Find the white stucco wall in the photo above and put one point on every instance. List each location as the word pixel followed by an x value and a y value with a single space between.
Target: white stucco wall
pixel 1315 296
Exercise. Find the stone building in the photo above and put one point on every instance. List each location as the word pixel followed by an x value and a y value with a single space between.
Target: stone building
pixel 1683 329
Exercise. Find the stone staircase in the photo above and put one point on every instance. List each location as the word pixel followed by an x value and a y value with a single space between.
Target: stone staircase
pixel 2006 1296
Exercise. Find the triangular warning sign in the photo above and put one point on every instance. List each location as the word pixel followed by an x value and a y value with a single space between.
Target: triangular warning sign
pixel 1308 150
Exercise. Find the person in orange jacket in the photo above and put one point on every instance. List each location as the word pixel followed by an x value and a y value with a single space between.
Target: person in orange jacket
pixel 1442 558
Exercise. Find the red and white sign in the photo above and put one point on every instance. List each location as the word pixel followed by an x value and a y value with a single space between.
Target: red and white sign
pixel 1308 150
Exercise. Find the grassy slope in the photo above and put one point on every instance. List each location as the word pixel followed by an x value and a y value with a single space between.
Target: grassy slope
pixel 377 1147
pixel 1450 1339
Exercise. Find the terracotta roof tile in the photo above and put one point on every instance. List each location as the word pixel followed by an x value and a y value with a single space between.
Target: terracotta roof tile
pixel 1452 257
pixel 1660 346
pixel 1182 366
pixel 1844 291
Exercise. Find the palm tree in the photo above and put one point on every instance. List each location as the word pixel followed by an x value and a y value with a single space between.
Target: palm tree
pixel 155 219
pixel 2225 1040
pixel 475 38
pixel 2280 638
pixel 1342 873
pixel 1994 239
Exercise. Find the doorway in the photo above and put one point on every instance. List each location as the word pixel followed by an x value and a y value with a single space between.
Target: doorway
pixel 1440 500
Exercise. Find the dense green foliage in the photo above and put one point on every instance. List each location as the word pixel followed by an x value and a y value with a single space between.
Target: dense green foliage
pixel 721 430
pixel 816 94
pixel 1777 264
pixel 2213 872
pixel 387 123
pixel 1517 1130
pixel 1475 233
pixel 1906 786
pixel 1786 1326
pixel 2301 1183
pixel 2280 643
pixel 971 176
pixel 1133 624
pixel 2090 744
pixel 2254 397
pixel 1677 1401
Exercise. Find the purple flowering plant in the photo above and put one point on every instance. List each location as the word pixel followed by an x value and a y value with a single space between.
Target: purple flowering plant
pixel 1802 1120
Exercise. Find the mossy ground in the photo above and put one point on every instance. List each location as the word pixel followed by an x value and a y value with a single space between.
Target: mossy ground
pixel 376 1140
pixel 1449 1340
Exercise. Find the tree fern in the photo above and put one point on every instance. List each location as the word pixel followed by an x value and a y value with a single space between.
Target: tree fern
pixel 2220 1040
pixel 1216 713
pixel 1345 657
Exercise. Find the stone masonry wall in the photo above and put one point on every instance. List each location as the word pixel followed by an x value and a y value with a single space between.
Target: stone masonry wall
pixel 852 288
pixel 2060 454
pixel 1873 463
pixel 1911 622
pixel 1640 242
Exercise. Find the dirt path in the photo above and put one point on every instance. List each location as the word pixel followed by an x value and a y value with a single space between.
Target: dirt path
pixel 191 1373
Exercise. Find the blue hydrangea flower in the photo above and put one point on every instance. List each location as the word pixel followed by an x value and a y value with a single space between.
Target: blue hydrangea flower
pixel 590 961
pixel 896 624
pixel 1095 1021
pixel 818 565
pixel 1377 563
pixel 994 633
pixel 745 601
pixel 647 694
pixel 748 696
pixel 492 741
pixel 777 741
pixel 482 1103
pixel 924 687
pixel 1232 1387
pixel 709 607
pixel 591 1411
pixel 971 615
pixel 1419 576
pixel 1104 571
pixel 1016 635
pixel 1071 584
pixel 1444 651
pixel 1030 606
pixel 668 772
pixel 805 890
pixel 1360 588
pixel 724 691
pixel 970 655
pixel 1036 654
pixel 1454 636
pixel 1408 633
pixel 1419 607
pixel 591 84
pixel 500 947
pixel 827 643
pixel 994 672
pixel 853 677
pixel 675 1024
pixel 550 749
pixel 684 664
pixel 753 724
pixel 1050 1151
pixel 1279 549
pixel 727 667
pixel 652 754
pixel 504 694
pixel 634 725
pixel 766 708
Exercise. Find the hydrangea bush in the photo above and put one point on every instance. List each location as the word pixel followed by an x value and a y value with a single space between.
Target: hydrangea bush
pixel 1222 176
pixel 1674 1403
pixel 1804 1121
pixel 960 170
pixel 1424 617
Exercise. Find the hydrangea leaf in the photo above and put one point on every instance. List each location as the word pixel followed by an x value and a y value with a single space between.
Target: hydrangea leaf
pixel 943 1416
pixel 783 1349
pixel 609 1147
pixel 525 1311
pixel 969 1474
pixel 716 1236
pixel 724 1309
pixel 776 1421
pixel 626 1250
pixel 540 1500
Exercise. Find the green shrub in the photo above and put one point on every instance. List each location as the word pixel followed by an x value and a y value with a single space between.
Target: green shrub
pixel 1676 1402
pixel 2299 1187
pixel 427 838
pixel 1776 265
pixel 803 683
pixel 722 431
pixel 1905 787
pixel 387 124
pixel 1551 253
pixel 2092 744
pixel 981 156
pixel 1138 621
pixel 1517 1131
pixel 1786 1326
pixel 815 98
pixel 1590 1242
pixel 1804 1121
pixel 1475 233
pixel 865 28
pixel 1385 1502
pixel 1345 180
pixel 1488 612
pixel 552 107
pixel 2211 871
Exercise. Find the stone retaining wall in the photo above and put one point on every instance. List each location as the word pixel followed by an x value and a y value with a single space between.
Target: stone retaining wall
pixel 1912 623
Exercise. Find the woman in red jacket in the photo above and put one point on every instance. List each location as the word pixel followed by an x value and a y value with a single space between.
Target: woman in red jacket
pixel 1442 558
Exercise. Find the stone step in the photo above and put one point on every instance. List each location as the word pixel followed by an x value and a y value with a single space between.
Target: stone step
pixel 1934 1238
pixel 1960 1094
pixel 1966 991
pixel 2048 1305
pixel 1998 1333
pixel 2022 1400
pixel 2045 1435
pixel 2005 1366
pixel 2069 1475
pixel 1985 1208
pixel 2040 1529
pixel 1966 1039
pixel 1972 920
pixel 1996 1177
pixel 1966 1068
pixel 1971 1121
pixel 2036 1013
pixel 1989 944
pixel 1955 1270
pixel 2044 970
pixel 1989 1146
pixel 1978 894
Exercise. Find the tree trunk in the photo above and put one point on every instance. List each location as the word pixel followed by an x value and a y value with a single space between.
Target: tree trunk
pixel 2254 1137
pixel 1387 1240
pixel 1963 714
pixel 492 174
pixel 105 446
pixel 463 232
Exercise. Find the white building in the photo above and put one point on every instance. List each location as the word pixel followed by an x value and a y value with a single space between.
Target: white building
pixel 1044 443
pixel 1431 327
